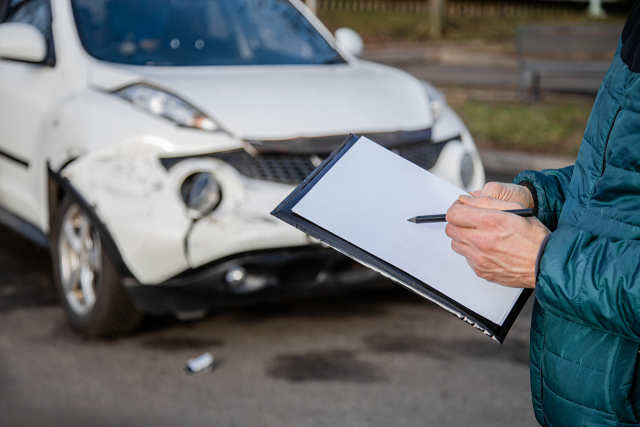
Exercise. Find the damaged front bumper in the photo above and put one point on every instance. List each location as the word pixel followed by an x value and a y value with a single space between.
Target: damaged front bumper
pixel 137 203
pixel 171 261
pixel 254 277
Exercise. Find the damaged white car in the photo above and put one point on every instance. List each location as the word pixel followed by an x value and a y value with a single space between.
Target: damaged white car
pixel 146 141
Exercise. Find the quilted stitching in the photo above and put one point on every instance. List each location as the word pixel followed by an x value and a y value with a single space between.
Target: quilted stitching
pixel 546 388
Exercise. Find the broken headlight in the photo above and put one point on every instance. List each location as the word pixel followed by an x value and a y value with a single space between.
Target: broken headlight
pixel 201 193
pixel 166 105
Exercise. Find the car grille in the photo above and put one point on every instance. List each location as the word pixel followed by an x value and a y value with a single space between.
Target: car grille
pixel 423 154
pixel 290 169
pixel 294 168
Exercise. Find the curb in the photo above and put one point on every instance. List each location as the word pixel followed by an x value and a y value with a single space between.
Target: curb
pixel 514 162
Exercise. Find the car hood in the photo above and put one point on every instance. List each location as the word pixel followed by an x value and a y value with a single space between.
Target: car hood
pixel 282 102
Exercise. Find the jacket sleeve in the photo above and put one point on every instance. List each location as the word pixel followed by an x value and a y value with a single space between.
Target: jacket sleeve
pixel 594 280
pixel 550 188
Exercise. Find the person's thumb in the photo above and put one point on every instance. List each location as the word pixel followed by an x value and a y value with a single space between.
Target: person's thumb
pixel 476 193
pixel 486 202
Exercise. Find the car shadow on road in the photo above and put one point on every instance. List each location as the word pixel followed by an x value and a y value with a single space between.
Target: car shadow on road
pixel 26 278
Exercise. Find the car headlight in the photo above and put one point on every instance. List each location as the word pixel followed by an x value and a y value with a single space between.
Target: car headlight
pixel 166 105
pixel 201 193
pixel 437 100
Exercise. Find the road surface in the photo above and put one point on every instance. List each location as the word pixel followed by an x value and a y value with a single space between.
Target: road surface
pixel 377 358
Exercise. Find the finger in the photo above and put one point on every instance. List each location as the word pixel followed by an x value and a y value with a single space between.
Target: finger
pixel 476 193
pixel 457 202
pixel 486 202
pixel 466 216
pixel 497 190
pixel 485 220
pixel 461 234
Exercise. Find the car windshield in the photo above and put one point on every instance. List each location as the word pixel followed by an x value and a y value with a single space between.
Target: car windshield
pixel 200 32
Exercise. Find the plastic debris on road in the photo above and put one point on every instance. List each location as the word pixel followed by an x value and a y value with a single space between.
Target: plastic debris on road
pixel 202 364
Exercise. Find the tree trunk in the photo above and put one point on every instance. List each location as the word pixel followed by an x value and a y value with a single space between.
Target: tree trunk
pixel 435 18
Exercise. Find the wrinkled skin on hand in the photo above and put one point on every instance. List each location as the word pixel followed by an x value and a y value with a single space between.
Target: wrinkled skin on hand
pixel 500 247
pixel 507 192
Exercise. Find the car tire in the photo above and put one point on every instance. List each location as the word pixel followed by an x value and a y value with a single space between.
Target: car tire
pixel 88 285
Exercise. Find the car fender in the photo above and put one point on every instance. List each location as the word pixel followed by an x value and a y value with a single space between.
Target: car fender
pixel 125 188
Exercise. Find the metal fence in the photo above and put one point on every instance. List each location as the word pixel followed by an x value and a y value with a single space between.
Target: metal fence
pixel 452 7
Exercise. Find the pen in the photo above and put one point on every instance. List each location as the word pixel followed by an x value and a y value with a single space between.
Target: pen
pixel 443 217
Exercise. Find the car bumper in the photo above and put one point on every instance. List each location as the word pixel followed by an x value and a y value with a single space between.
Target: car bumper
pixel 269 275
pixel 135 193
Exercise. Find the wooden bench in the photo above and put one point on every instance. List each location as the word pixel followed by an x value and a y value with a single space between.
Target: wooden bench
pixel 563 50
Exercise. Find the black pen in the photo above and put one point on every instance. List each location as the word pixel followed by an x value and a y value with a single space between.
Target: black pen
pixel 443 217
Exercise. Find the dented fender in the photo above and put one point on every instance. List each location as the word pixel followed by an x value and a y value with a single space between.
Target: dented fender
pixel 136 200
pixel 138 203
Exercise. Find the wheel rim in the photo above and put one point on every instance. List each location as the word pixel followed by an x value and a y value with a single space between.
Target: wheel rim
pixel 80 258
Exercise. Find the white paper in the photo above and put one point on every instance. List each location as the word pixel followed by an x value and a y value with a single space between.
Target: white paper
pixel 366 199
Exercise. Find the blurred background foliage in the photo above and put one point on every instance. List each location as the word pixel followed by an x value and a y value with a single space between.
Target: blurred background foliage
pixel 555 125
pixel 376 26
pixel 553 129
pixel 384 20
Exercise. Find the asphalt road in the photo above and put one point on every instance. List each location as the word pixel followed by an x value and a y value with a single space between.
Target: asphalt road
pixel 375 358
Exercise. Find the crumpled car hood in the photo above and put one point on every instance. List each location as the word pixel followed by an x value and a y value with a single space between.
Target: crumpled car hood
pixel 281 102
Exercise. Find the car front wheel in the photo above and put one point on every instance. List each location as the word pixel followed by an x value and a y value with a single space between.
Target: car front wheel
pixel 88 285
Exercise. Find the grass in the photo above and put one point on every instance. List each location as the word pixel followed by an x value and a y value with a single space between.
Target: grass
pixel 553 129
pixel 388 26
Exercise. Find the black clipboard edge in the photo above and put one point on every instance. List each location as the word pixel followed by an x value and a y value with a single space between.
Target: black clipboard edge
pixel 285 213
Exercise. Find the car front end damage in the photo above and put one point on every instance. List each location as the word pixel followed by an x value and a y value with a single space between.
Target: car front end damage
pixel 175 258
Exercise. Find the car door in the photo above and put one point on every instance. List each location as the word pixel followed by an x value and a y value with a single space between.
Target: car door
pixel 27 95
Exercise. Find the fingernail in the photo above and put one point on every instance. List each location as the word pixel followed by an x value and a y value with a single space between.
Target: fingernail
pixel 465 197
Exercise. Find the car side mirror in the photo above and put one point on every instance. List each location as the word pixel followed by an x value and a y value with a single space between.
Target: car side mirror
pixel 350 41
pixel 22 42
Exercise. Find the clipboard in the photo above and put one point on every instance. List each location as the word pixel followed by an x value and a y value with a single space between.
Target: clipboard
pixel 285 212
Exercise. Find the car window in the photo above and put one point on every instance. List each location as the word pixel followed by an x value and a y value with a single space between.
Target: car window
pixel 200 32
pixel 38 14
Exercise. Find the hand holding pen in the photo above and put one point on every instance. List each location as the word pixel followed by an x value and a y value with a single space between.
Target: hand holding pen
pixel 500 247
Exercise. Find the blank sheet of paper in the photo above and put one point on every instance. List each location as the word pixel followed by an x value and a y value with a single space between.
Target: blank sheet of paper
pixel 366 199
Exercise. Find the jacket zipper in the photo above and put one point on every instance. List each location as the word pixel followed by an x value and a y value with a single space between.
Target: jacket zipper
pixel 604 154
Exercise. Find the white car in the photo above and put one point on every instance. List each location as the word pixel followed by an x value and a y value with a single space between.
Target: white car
pixel 146 142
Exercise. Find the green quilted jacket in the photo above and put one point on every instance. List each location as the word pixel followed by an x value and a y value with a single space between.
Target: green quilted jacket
pixel 585 331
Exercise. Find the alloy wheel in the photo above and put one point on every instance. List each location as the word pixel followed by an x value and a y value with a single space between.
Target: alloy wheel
pixel 80 258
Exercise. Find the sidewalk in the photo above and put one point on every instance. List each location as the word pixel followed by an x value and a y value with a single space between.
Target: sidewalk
pixel 514 162
pixel 468 64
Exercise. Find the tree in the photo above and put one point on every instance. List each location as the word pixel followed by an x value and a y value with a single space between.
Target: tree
pixel 436 8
